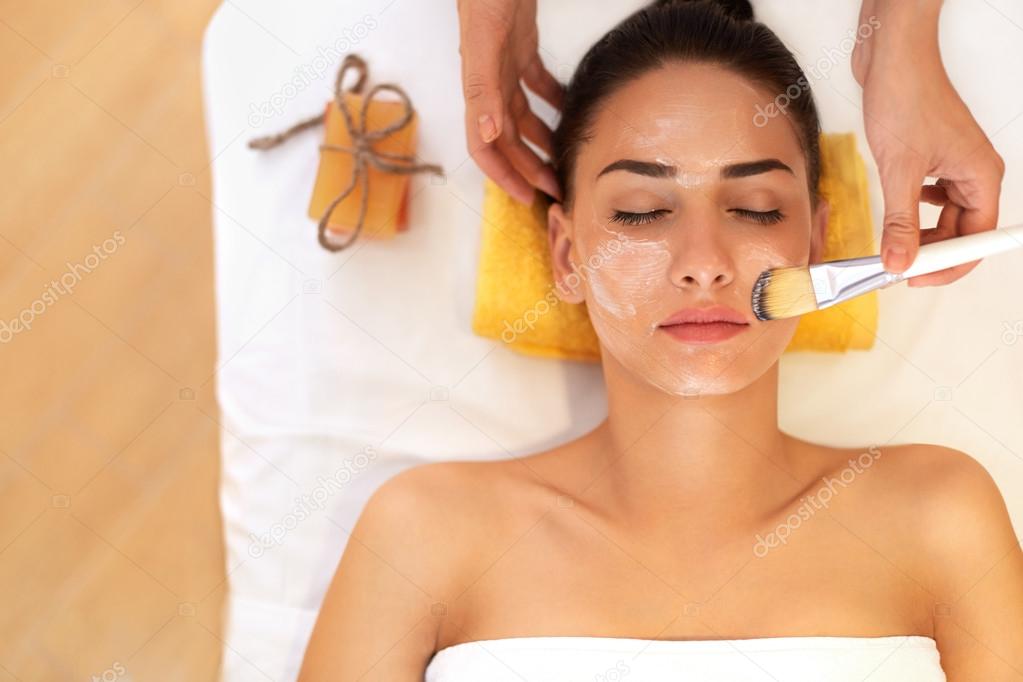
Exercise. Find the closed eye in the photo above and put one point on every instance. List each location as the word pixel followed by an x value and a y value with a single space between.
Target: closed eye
pixel 638 218
pixel 763 217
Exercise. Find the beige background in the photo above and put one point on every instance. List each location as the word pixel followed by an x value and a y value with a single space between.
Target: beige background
pixel 110 543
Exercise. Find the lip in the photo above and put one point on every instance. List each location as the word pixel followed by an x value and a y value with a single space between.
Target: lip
pixel 705 325
pixel 714 313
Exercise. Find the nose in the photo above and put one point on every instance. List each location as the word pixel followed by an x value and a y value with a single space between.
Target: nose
pixel 702 260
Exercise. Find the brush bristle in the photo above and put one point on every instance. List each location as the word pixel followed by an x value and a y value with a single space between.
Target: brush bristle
pixel 783 292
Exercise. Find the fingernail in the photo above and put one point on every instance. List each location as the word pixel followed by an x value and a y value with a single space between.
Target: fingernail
pixel 897 258
pixel 487 128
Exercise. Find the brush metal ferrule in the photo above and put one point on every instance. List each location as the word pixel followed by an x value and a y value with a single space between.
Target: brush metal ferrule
pixel 840 280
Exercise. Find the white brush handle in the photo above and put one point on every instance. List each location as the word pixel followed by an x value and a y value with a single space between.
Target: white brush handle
pixel 946 253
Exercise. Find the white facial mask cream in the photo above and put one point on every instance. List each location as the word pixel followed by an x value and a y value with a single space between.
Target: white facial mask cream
pixel 629 274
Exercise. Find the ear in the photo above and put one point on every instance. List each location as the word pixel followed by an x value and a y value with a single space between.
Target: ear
pixel 560 239
pixel 819 230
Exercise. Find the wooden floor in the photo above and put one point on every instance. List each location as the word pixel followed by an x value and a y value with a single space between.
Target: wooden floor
pixel 111 559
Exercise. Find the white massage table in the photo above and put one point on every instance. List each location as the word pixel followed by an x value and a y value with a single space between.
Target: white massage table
pixel 324 355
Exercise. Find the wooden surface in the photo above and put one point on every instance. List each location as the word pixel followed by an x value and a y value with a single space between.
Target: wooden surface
pixel 111 559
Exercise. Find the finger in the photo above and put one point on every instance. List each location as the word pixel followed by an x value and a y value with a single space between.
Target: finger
pixel 484 106
pixel 948 224
pixel 481 52
pixel 978 194
pixel 972 207
pixel 901 238
pixel 537 132
pixel 934 195
pixel 541 81
pixel 525 161
pixel 495 165
pixel 533 128
pixel 948 227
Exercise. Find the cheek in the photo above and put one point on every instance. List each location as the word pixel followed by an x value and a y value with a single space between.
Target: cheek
pixel 763 254
pixel 760 251
pixel 626 274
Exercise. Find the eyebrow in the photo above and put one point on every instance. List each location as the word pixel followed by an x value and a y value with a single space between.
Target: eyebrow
pixel 660 170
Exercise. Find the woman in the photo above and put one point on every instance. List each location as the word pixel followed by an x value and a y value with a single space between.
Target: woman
pixel 916 124
pixel 687 533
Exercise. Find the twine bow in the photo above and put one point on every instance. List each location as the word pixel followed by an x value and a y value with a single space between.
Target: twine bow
pixel 362 146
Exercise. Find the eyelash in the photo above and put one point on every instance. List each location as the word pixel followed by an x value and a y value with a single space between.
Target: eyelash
pixel 637 218
pixel 762 217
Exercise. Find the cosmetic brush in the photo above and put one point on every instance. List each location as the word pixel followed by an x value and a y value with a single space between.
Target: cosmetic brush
pixel 797 290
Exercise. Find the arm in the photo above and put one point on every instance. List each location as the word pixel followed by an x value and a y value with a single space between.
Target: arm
pixel 974 571
pixel 376 621
pixel 917 126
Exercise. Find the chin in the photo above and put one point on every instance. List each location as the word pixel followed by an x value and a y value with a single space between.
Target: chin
pixel 693 370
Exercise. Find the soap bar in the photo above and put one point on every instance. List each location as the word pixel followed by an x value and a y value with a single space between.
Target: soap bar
pixel 386 209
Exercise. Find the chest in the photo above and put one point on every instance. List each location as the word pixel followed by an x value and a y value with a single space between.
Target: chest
pixel 564 578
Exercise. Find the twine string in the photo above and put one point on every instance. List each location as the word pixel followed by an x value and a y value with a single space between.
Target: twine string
pixel 361 149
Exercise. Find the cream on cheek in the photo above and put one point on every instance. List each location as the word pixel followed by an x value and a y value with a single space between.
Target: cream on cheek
pixel 630 291
pixel 628 279
pixel 630 286
pixel 629 274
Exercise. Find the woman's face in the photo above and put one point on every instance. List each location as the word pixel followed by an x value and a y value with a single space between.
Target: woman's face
pixel 681 201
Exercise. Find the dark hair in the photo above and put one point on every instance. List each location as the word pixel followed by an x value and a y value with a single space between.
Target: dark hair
pixel 719 32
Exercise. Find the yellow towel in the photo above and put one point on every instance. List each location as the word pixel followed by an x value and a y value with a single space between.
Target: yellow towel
pixel 516 301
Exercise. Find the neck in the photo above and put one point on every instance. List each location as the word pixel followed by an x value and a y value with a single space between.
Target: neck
pixel 668 453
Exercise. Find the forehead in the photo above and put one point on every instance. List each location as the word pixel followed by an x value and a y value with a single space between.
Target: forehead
pixel 694 116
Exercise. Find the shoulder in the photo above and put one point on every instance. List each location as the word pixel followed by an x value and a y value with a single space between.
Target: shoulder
pixel 939 481
pixel 414 528
pixel 407 555
pixel 404 556
pixel 967 558
pixel 947 485
pixel 420 502
pixel 940 486
pixel 961 506
pixel 435 515
pixel 440 490
pixel 949 507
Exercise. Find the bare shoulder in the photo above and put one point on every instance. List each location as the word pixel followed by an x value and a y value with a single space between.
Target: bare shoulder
pixel 428 510
pixel 931 478
pixel 962 507
pixel 405 556
pixel 440 515
pixel 448 491
pixel 947 506
pixel 415 498
pixel 967 557
pixel 947 486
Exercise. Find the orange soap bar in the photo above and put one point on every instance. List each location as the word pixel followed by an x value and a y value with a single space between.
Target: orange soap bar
pixel 386 209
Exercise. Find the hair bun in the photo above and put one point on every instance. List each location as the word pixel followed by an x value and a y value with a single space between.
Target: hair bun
pixel 741 10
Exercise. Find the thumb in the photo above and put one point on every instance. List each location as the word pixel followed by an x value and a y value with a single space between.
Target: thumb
pixel 481 83
pixel 901 238
pixel 485 31
pixel 484 104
